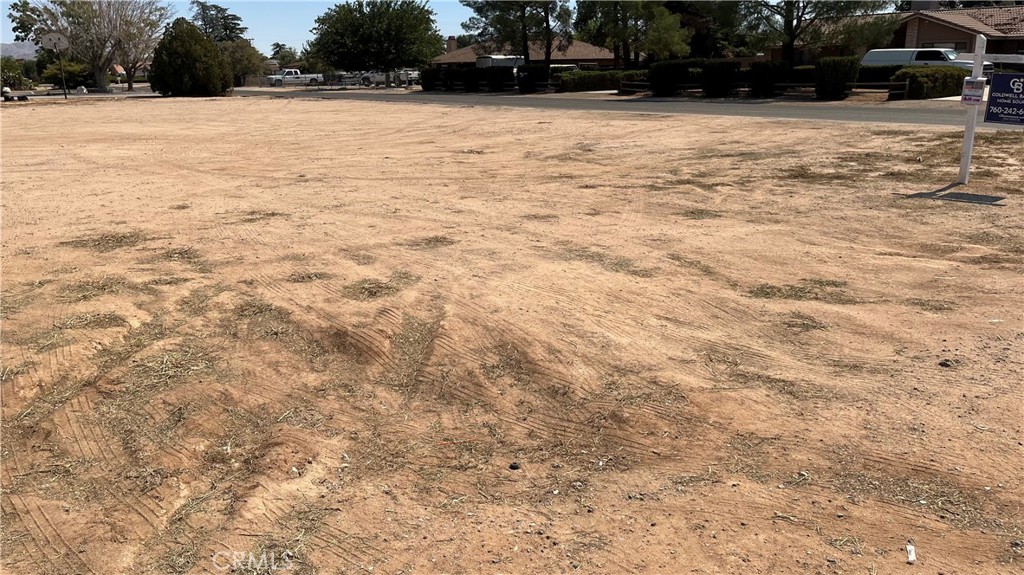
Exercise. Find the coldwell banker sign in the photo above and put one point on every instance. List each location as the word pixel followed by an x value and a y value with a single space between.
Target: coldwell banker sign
pixel 1006 100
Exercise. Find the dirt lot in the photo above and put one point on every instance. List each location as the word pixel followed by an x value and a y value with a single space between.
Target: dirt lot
pixel 348 337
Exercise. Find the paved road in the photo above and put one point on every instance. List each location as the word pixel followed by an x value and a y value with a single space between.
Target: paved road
pixel 951 116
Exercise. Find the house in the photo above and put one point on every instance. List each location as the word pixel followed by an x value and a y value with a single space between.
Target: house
pixel 580 53
pixel 1002 26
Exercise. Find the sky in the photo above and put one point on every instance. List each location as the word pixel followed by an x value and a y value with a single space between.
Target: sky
pixel 289 22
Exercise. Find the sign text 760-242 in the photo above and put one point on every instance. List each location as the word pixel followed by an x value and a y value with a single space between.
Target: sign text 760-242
pixel 1006 100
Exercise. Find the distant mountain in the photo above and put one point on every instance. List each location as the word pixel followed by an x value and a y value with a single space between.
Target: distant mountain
pixel 19 50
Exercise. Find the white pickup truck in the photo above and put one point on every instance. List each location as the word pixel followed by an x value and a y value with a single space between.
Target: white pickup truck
pixel 293 76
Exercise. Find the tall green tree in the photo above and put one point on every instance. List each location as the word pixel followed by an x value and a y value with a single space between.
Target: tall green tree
pixel 283 53
pixel 381 35
pixel 216 22
pixel 186 62
pixel 465 40
pixel 515 25
pixel 242 59
pixel 793 22
pixel 630 29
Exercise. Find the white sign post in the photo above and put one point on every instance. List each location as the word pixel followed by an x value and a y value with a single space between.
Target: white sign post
pixel 969 98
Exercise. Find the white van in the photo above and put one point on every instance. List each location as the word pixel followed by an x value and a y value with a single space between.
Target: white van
pixel 921 57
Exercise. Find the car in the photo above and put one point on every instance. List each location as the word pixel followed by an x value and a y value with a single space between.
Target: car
pixel 921 57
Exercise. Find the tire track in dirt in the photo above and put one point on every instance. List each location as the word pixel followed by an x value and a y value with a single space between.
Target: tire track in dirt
pixel 45 537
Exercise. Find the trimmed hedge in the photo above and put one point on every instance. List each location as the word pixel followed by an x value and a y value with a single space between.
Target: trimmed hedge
pixel 765 75
pixel 472 78
pixel 878 73
pixel 665 77
pixel 430 79
pixel 833 75
pixel 497 77
pixel 803 75
pixel 531 76
pixel 589 81
pixel 718 79
pixel 928 82
pixel 634 76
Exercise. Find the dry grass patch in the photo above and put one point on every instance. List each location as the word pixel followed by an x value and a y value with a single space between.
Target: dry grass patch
pixel 691 263
pixel 699 214
pixel 931 304
pixel 197 302
pixel 372 288
pixel 107 242
pixel 828 291
pixel 308 276
pixel 618 264
pixel 411 347
pixel 136 340
pixel 91 288
pixel 188 256
pixel 431 242
pixel 91 321
pixel 803 322
pixel 540 217
pixel 259 215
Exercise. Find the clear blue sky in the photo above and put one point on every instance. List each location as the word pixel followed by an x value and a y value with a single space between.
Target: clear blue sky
pixel 289 22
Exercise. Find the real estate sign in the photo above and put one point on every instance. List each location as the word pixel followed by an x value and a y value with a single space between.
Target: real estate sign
pixel 1006 100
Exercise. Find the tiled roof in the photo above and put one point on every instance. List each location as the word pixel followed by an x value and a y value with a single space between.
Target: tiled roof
pixel 578 50
pixel 1000 22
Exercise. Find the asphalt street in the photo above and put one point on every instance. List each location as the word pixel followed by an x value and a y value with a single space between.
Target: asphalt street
pixel 945 116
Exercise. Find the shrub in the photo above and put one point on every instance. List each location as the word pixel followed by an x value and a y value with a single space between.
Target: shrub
pixel 932 81
pixel 187 63
pixel 833 76
pixel 718 79
pixel 878 73
pixel 590 81
pixel 11 76
pixel 634 76
pixel 430 79
pixel 665 77
pixel 75 75
pixel 765 75
pixel 531 77
pixel 498 78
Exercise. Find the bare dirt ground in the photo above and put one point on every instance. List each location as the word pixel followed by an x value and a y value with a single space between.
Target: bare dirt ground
pixel 349 337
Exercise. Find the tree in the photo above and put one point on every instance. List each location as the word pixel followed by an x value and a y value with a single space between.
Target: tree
pixel 141 23
pixel 283 53
pixel 719 29
pixel 99 31
pixel 803 21
pixel 242 60
pixel 630 29
pixel 216 22
pixel 502 25
pixel 11 74
pixel 187 63
pixel 377 35
pixel 514 25
pixel 465 40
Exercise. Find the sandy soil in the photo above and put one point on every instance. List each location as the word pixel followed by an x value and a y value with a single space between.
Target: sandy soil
pixel 349 337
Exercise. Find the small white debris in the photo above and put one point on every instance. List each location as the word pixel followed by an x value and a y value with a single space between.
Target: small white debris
pixel 911 553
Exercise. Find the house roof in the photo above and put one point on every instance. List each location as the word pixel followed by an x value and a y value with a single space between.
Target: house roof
pixel 997 22
pixel 576 51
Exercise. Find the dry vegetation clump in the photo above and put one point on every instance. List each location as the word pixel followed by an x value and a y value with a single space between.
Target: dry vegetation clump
pixel 372 288
pixel 107 242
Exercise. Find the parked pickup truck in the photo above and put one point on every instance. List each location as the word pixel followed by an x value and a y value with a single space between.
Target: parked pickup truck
pixel 293 76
